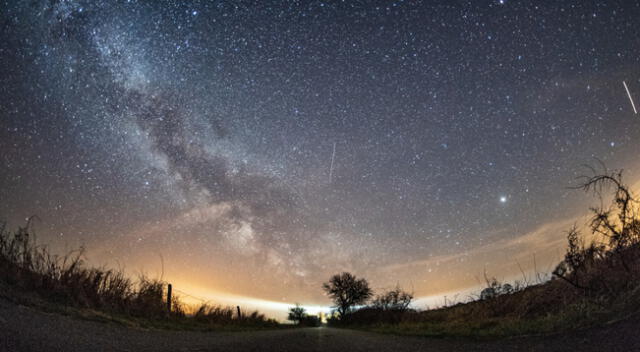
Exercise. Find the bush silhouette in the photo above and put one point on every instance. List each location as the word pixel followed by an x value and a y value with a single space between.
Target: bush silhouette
pixel 396 299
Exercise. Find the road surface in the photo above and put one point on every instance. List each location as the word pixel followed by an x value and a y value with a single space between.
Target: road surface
pixel 27 329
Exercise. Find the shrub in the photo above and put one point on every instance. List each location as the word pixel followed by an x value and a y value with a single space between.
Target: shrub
pixel 396 299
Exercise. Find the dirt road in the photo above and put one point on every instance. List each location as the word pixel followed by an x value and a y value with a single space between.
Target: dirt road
pixel 27 329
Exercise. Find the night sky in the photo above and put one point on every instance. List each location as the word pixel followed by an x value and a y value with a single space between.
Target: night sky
pixel 203 133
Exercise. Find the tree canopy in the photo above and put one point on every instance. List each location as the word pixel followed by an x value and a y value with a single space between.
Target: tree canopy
pixel 347 291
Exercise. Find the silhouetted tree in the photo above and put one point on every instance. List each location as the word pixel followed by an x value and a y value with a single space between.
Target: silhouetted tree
pixel 618 223
pixel 619 226
pixel 347 291
pixel 297 314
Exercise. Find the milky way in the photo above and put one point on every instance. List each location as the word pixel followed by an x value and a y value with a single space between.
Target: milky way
pixel 256 146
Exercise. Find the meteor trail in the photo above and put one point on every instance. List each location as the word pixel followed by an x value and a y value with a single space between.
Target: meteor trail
pixel 630 98
pixel 333 156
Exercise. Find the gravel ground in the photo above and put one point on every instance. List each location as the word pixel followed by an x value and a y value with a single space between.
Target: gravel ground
pixel 27 329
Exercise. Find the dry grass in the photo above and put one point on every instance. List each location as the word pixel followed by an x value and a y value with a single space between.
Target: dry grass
pixel 27 268
pixel 550 307
pixel 219 315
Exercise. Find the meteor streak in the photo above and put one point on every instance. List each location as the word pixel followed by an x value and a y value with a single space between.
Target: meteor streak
pixel 630 98
pixel 333 156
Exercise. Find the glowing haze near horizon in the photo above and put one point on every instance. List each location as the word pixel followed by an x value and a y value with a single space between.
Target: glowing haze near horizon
pixel 203 133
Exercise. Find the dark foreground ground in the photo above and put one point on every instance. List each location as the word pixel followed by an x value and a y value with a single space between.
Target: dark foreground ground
pixel 27 329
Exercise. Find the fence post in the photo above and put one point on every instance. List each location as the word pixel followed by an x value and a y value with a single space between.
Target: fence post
pixel 239 314
pixel 169 298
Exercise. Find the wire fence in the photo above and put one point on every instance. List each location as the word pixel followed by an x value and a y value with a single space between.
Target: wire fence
pixel 182 293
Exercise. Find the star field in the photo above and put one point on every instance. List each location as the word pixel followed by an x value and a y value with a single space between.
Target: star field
pixel 204 131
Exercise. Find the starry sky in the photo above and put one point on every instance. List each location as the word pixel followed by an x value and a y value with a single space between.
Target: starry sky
pixel 255 148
